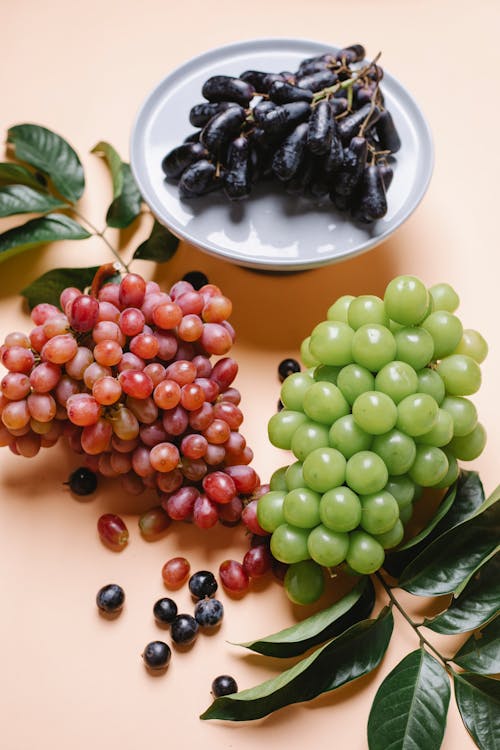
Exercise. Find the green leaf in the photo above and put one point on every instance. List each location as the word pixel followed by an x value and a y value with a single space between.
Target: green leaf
pixel 454 557
pixel 114 163
pixel 354 653
pixel 48 287
pixel 52 154
pixel 126 204
pixel 160 246
pixel 443 509
pixel 410 707
pixel 481 652
pixel 20 199
pixel 477 604
pixel 320 627
pixel 39 232
pixel 16 174
pixel 478 700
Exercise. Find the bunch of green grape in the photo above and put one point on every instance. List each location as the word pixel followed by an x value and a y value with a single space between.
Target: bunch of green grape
pixel 381 413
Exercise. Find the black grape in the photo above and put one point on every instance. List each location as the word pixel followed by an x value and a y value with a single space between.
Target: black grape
pixel 373 203
pixel 289 155
pixel 281 120
pixel 222 128
pixel 349 126
pixel 200 114
pixel 320 128
pixel 237 176
pixel 282 92
pixel 387 134
pixel 176 161
pixel 198 179
pixel 228 89
pixel 353 53
pixel 317 81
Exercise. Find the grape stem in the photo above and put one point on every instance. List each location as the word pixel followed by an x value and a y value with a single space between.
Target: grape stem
pixel 100 234
pixel 345 84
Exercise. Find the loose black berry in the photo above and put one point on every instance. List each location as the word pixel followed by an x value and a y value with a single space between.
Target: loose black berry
pixel 110 598
pixel 156 655
pixel 184 629
pixel 286 367
pixel 208 612
pixel 165 610
pixel 196 278
pixel 224 685
pixel 82 481
pixel 202 584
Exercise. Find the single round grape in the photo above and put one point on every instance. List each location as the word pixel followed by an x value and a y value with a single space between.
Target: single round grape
pixel 430 382
pixel 379 512
pixel 327 547
pixel 463 413
pixel 282 425
pixel 110 598
pixel 406 300
pixel 366 473
pixel 331 343
pixel 444 297
pixel 287 367
pixel 307 438
pixel 294 476
pixel 396 449
pixel 353 380
pixel 323 469
pixel 461 374
pixel 325 403
pixel 304 582
pixel 224 685
pixel 429 467
pixel 472 344
pixel 277 480
pixel 340 308
pixel 82 481
pixel 402 488
pixel 328 373
pixel 391 538
pixel 367 308
pixel 208 613
pixel 365 555
pixel 294 389
pixel 441 431
pixel 446 331
pixel 202 584
pixel 451 475
pixel 416 414
pixel 373 346
pixel 270 510
pixel 348 437
pixel 397 380
pixel 112 530
pixel 415 346
pixel 156 655
pixel 289 543
pixel 375 412
pixel 305 354
pixel 301 508
pixel 175 572
pixel 184 629
pixel 340 509
pixel 470 446
pixel 165 610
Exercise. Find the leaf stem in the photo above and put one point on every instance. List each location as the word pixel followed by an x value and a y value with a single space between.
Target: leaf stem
pixel 100 234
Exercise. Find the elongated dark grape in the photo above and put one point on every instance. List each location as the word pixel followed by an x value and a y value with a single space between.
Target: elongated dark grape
pixel 351 54
pixel 334 160
pixel 201 113
pixel 272 77
pixel 282 92
pixel 352 168
pixel 299 183
pixel 283 118
pixel 237 176
pixel 197 179
pixel 376 73
pixel 317 81
pixel 262 108
pixel 318 181
pixel 222 128
pixel 373 203
pixel 339 104
pixel 177 160
pixel 255 78
pixel 228 89
pixel 387 174
pixel 289 155
pixel 319 136
pixel 312 66
pixel 349 126
pixel 387 134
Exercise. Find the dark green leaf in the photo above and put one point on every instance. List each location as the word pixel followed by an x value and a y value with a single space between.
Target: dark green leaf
pixel 39 232
pixel 52 154
pixel 47 288
pixel 443 509
pixel 16 174
pixel 114 163
pixel 481 652
pixel 20 199
pixel 320 627
pixel 160 245
pixel 354 653
pixel 476 605
pixel 478 700
pixel 453 558
pixel 411 704
pixel 127 205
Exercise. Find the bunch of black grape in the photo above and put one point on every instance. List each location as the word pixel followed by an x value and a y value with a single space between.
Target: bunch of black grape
pixel 321 131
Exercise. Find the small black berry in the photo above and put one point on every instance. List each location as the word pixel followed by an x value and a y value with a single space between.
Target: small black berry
pixel 156 655
pixel 110 598
pixel 165 610
pixel 224 685
pixel 82 481
pixel 196 278
pixel 202 584
pixel 184 629
pixel 287 367
pixel 208 612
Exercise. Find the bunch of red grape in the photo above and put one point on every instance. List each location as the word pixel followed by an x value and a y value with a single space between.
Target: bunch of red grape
pixel 125 374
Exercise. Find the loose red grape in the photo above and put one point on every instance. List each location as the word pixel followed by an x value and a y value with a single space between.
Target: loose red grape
pixel 154 522
pixel 257 561
pixel 175 572
pixel 112 530
pixel 233 576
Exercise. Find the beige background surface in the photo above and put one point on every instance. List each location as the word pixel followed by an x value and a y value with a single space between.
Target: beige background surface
pixel 69 678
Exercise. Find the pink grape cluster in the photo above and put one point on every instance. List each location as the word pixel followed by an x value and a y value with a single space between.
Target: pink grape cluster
pixel 126 377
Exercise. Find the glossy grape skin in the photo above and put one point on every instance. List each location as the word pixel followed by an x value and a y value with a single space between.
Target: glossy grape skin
pixel 406 300
pixel 304 582
pixel 112 530
pixel 222 88
pixel 323 469
pixel 402 488
pixel 307 438
pixel 387 132
pixel 460 373
pixel 373 346
pixel 351 171
pixel 472 344
pixel 301 508
pixel 294 476
pixel 320 131
pixel 446 331
pixel 397 451
pixel 197 179
pixel 110 598
pixel 349 126
pixel 156 655
pixel 430 382
pixel 346 436
pixel 294 389
pixel 415 346
pixel 222 128
pixel 316 81
pixel 340 509
pixel 82 481
pixel 391 538
pixel 379 512
pixel 470 446
pixel 202 113
pixel 417 414
pixel 164 610
pixel 237 176
pixel 184 629
pixel 444 297
pixel 287 367
pixel 372 200
pixel 453 471
pixel 324 403
pixel 366 473
pixel 365 555
pixel 175 572
pixel 224 685
pixel 429 467
pixel 367 308
pixel 288 156
pixel 305 354
pixel 353 380
pixel 181 157
pixel 441 431
pixel 277 480
pixel 339 310
pixel 374 412
pixel 282 92
pixel 327 547
pixel 282 427
pixel 289 544
pixel 331 343
pixel 397 380
pixel 327 373
pixel 280 120
pixel 463 412
pixel 270 514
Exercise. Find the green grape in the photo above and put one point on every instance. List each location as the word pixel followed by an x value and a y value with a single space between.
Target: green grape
pixel 324 468
pixel 304 582
pixel 325 403
pixel 277 481
pixel 367 308
pixel 430 382
pixel 327 547
pixel 301 508
pixel 446 331
pixel 392 537
pixel 305 354
pixel 397 380
pixel 406 300
pixel 294 389
pixel 308 437
pixel 430 466
pixel 452 473
pixel 331 343
pixel 468 447
pixel 270 510
pixel 294 477
pixel 417 414
pixel 463 413
pixel 327 373
pixel 375 412
pixel 441 431
pixel 393 326
pixel 353 380
pixel 365 555
pixel 282 425
pixel 406 513
pixel 414 346
pixel 366 473
pixel 472 344
pixel 379 512
pixel 402 488
pixel 445 297
pixel 461 374
pixel 373 346
pixel 396 450
pixel 348 438
pixel 340 308
pixel 340 509
pixel 289 543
